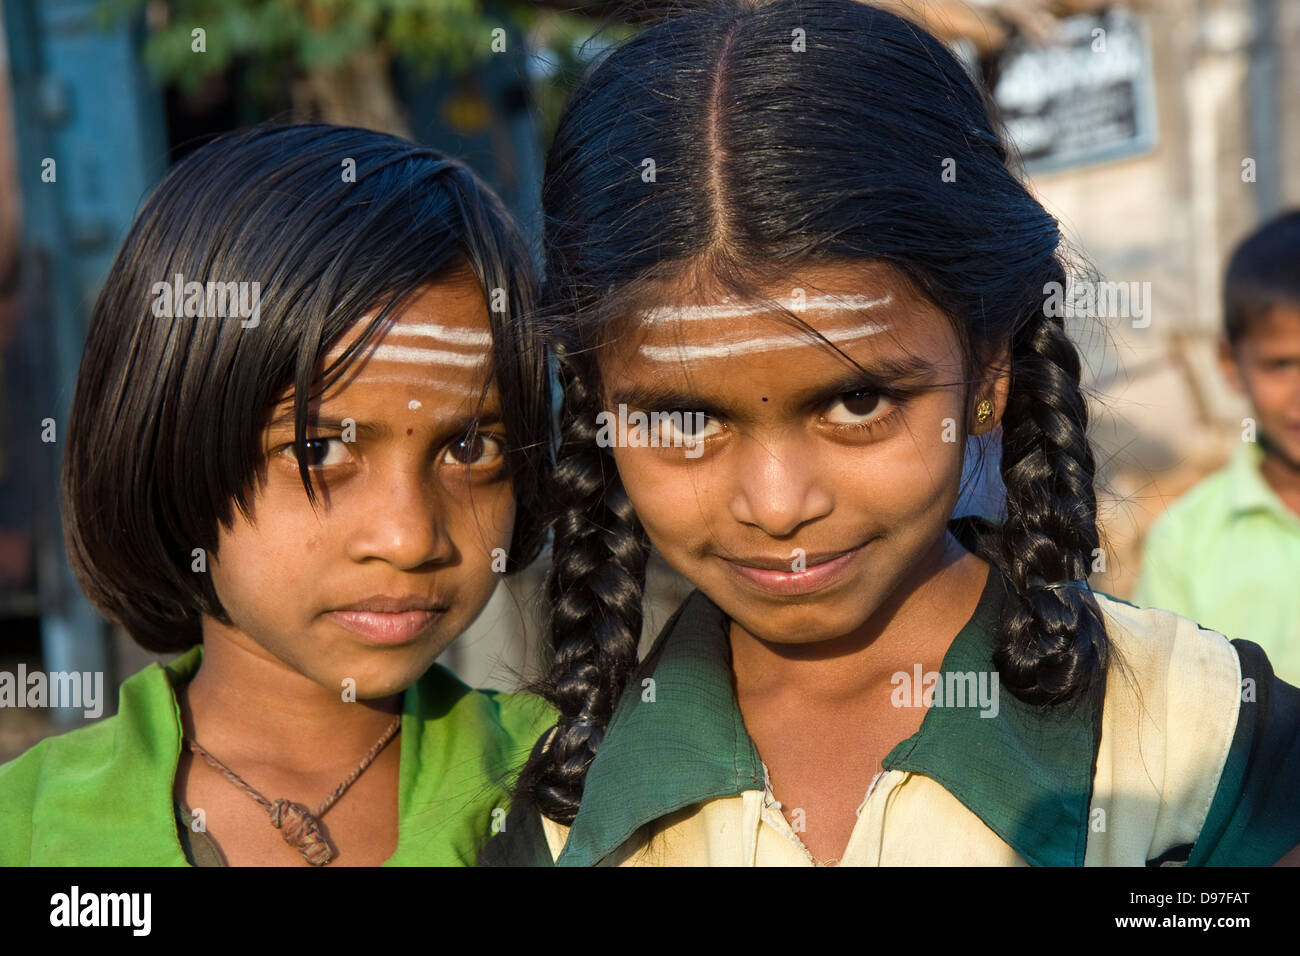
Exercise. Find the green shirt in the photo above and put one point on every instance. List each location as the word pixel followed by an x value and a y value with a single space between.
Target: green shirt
pixel 1227 555
pixel 103 795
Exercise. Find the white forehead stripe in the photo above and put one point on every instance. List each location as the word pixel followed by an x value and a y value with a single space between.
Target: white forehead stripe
pixel 443 334
pixel 730 310
pixel 420 356
pixel 772 343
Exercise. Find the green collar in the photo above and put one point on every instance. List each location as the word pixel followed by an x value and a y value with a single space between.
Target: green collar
pixel 1025 772
pixel 1247 489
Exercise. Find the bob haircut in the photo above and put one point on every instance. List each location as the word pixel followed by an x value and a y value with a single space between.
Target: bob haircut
pixel 165 431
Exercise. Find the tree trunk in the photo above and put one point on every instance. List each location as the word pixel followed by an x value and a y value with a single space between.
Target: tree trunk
pixel 359 93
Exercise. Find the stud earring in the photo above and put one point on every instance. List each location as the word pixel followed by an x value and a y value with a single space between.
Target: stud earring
pixel 983 411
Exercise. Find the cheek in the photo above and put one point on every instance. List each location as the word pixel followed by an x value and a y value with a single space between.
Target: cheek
pixel 1272 392
pixel 256 562
pixel 480 523
pixel 916 472
pixel 481 517
pixel 665 498
pixel 246 567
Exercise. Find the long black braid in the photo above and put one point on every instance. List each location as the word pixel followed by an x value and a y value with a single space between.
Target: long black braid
pixel 595 586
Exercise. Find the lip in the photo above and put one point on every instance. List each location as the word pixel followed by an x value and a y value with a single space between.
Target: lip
pixel 383 619
pixel 822 570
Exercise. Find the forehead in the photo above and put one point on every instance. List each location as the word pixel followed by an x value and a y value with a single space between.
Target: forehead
pixel 435 352
pixel 868 311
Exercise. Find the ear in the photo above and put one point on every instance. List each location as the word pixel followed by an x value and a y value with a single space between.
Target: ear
pixel 992 383
pixel 1229 366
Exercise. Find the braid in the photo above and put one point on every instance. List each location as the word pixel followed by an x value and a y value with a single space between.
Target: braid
pixel 1053 643
pixel 595 587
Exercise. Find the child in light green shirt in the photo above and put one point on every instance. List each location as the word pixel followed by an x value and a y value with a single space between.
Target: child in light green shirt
pixel 1227 554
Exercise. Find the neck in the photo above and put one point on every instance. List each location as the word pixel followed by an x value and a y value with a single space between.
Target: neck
pixel 246 706
pixel 914 625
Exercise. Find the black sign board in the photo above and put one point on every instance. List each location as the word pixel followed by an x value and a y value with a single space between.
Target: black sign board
pixel 1085 97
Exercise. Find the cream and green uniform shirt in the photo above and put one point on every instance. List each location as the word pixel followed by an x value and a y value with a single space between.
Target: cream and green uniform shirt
pixel 103 795
pixel 1227 555
pixel 1189 771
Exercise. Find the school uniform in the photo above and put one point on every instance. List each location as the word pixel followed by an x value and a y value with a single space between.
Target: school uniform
pixel 103 795
pixel 1191 771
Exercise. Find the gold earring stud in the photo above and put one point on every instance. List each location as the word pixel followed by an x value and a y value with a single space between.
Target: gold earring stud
pixel 983 411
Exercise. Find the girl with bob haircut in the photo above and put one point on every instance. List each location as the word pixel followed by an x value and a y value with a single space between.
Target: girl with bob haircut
pixel 752 245
pixel 304 443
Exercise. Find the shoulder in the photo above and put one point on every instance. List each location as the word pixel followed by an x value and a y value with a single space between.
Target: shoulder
pixel 1196 510
pixel 1152 638
pixel 101 795
pixel 61 777
pixel 1173 690
pixel 1170 676
pixel 1177 726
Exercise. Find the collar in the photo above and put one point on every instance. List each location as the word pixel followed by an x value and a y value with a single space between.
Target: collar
pixel 1247 489
pixel 681 740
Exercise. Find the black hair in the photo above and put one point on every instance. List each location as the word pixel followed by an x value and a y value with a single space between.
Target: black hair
pixel 1263 273
pixel 788 133
pixel 166 423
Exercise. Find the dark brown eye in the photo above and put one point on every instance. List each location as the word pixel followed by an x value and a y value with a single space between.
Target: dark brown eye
pixel 319 452
pixel 475 450
pixel 857 408
pixel 861 403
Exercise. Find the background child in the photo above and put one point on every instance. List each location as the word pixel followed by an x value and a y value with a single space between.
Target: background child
pixel 305 481
pixel 1227 554
pixel 752 217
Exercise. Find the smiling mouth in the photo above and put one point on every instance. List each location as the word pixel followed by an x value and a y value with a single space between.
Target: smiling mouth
pixel 777 575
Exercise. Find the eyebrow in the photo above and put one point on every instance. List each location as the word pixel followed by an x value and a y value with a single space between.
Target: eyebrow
pixel 881 375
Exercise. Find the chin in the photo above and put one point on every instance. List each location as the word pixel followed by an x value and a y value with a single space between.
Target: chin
pixel 803 620
pixel 392 673
pixel 379 686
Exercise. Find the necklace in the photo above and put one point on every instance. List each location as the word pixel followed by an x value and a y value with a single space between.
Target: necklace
pixel 299 826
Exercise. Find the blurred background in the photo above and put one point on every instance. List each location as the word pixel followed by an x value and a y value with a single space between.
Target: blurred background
pixel 1157 131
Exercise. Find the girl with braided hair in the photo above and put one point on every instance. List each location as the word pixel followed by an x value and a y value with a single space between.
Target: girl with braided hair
pixel 787 253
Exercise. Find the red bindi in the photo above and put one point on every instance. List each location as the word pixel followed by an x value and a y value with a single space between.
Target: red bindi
pixel 408 431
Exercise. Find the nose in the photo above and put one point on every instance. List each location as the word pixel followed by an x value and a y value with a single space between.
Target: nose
pixel 779 486
pixel 402 520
